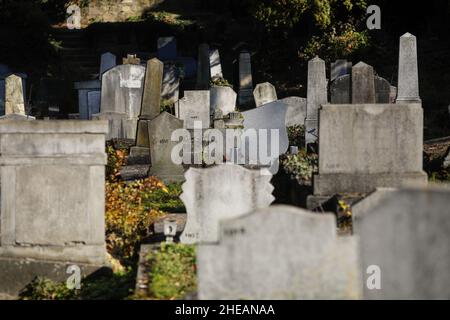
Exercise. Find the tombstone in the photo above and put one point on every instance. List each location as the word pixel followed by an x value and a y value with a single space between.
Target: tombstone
pixel 167 48
pixel 93 102
pixel 86 109
pixel 363 83
pixel 383 90
pixel 245 78
pixel 215 65
pixel 339 68
pixel 296 111
pixel 270 116
pixel 227 191
pixel 381 148
pixel 203 69
pixel 150 109
pixel 121 100
pixel 223 98
pixel 264 93
pixel 161 145
pixel 107 61
pixel 405 233
pixel 279 253
pixel 131 59
pixel 14 97
pixel 53 201
pixel 316 96
pixel 171 84
pixel 408 74
pixel 194 106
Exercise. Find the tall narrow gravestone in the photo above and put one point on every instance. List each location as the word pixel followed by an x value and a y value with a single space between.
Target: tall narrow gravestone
pixel 264 93
pixel 316 96
pixel 408 74
pixel 161 145
pixel 14 99
pixel 203 70
pixel 223 191
pixel 216 66
pixel 150 109
pixel 107 61
pixel 121 100
pixel 404 238
pixel 363 84
pixel 245 78
pixel 279 252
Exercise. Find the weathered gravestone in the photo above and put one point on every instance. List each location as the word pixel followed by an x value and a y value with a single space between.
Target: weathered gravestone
pixel 339 68
pixel 107 61
pixel 194 107
pixel 279 252
pixel 363 83
pixel 87 108
pixel 316 96
pixel 223 98
pixel 93 102
pixel 381 148
pixel 408 73
pixel 203 69
pixel 150 109
pixel 264 93
pixel 405 235
pixel 296 111
pixel 215 65
pixel 131 59
pixel 167 48
pixel 121 100
pixel 245 78
pixel 223 191
pixel 161 145
pixel 14 99
pixel 52 199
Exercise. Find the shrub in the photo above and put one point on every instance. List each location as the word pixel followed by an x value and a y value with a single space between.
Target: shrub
pixel 296 135
pixel 300 166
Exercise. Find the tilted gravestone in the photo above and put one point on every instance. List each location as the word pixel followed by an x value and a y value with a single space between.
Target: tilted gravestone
pixel 404 236
pixel 264 93
pixel 220 192
pixel 194 107
pixel 160 133
pixel 52 199
pixel 150 109
pixel 215 65
pixel 408 73
pixel 245 78
pixel 203 69
pixel 279 252
pixel 296 111
pixel 121 100
pixel 223 98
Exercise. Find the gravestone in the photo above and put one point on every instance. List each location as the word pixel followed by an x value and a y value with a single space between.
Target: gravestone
pixel 296 111
pixel 52 199
pixel 214 62
pixel 167 48
pixel 93 102
pixel 86 109
pixel 131 59
pixel 171 84
pixel 381 148
pixel 150 109
pixel 316 96
pixel 363 83
pixel 245 78
pixel 121 100
pixel 406 233
pixel 227 191
pixel 264 93
pixel 383 90
pixel 223 98
pixel 339 68
pixel 107 61
pixel 203 69
pixel 14 97
pixel 279 253
pixel 161 145
pixel 408 74
pixel 194 106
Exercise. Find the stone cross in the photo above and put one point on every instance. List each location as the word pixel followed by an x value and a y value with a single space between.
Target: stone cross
pixel 363 84
pixel 408 74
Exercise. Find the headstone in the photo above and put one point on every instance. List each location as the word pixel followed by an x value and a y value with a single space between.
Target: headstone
pixel 264 93
pixel 227 191
pixel 316 96
pixel 382 147
pixel 339 68
pixel 150 109
pixel 405 234
pixel 203 69
pixel 121 100
pixel 161 145
pixel 245 78
pixel 131 59
pixel 194 106
pixel 93 98
pixel 223 98
pixel 167 48
pixel 296 111
pixel 363 83
pixel 408 74
pixel 52 199
pixel 383 90
pixel 14 97
pixel 279 253
pixel 171 84
pixel 214 61
pixel 107 61
pixel 86 109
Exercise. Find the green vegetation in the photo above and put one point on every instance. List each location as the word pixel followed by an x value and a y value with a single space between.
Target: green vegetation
pixel 300 166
